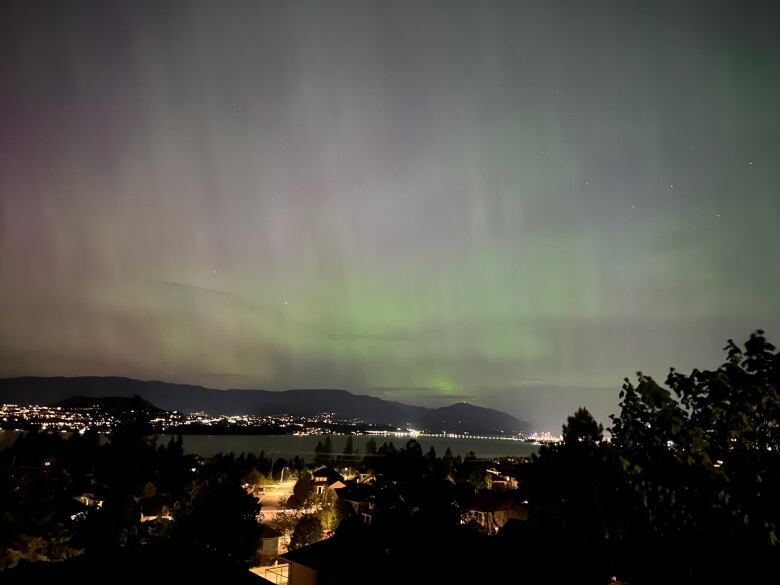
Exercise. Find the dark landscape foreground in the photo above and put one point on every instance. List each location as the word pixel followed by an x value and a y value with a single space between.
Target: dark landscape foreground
pixel 686 490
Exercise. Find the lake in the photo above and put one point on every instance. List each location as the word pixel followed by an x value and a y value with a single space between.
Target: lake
pixel 287 446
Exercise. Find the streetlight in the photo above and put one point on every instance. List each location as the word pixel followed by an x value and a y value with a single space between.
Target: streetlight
pixel 281 479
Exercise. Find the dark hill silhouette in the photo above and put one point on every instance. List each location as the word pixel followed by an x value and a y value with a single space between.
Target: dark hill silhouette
pixel 122 403
pixel 461 417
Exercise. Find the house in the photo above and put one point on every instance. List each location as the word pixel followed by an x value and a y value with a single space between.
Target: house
pixel 327 478
pixel 365 477
pixel 364 556
pixel 269 545
pixel 360 498
pixel 496 480
pixel 338 561
pixel 493 509
pixel 310 565
pixel 157 506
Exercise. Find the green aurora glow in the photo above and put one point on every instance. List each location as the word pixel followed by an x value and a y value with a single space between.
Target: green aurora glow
pixel 511 203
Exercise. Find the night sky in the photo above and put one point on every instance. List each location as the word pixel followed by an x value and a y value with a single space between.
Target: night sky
pixel 512 203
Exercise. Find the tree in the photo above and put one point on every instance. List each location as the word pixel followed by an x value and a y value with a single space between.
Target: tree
pixel 255 478
pixel 448 459
pixel 571 494
pixel 477 477
pixel 302 491
pixel 702 466
pixel 149 490
pixel 431 455
pixel 297 463
pixel 582 430
pixel 323 452
pixel 328 509
pixel 55 546
pixel 348 449
pixel 285 522
pixel 349 456
pixel 306 532
pixel 218 515
pixel 115 523
pixel 691 474
pixel 413 449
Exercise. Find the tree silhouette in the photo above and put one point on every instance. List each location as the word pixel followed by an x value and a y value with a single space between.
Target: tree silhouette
pixel 703 465
pixel 448 459
pixel 306 532
pixel 323 452
pixel 218 516
pixel 691 474
pixel 566 486
pixel 582 429
pixel 302 491
pixel 349 456
pixel 348 448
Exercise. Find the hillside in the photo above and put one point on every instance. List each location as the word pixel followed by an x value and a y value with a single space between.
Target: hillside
pixel 110 403
pixel 461 417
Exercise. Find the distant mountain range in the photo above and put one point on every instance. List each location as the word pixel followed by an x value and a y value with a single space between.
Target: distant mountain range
pixel 110 403
pixel 456 418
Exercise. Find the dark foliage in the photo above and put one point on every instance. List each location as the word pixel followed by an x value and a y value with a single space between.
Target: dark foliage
pixel 218 516
pixel 691 476
pixel 302 491
pixel 683 488
pixel 306 532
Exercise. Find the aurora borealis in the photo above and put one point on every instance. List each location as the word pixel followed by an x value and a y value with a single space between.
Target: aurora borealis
pixel 513 203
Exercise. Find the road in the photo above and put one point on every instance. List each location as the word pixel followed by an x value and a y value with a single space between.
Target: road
pixel 269 501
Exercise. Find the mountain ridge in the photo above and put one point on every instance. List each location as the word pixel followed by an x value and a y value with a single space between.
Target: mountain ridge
pixel 459 417
pixel 110 403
